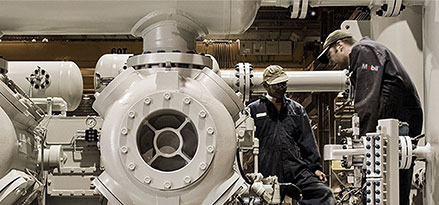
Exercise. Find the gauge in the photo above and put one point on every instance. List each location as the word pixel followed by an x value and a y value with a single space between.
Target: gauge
pixel 91 122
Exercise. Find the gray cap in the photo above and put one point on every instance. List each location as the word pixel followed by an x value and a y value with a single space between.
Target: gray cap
pixel 274 74
pixel 331 39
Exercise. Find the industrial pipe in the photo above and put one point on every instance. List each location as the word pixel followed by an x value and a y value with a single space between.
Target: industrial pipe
pixel 298 81
pixel 50 102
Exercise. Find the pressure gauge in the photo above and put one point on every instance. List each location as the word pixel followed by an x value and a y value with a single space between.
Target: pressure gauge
pixel 91 122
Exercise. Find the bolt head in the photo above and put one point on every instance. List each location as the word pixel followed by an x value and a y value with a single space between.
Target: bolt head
pixel 167 185
pixel 124 131
pixel 147 100
pixel 124 149
pixel 210 130
pixel 167 96
pixel 210 149
pixel 203 166
pixel 187 179
pixel 131 114
pixel 131 166
pixel 202 114
pixel 187 100
pixel 147 179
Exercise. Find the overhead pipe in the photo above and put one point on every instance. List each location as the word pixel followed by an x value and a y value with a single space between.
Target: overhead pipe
pixel 299 8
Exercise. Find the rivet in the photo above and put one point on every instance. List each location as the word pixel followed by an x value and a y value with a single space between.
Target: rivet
pixel 131 166
pixel 131 114
pixel 167 185
pixel 187 179
pixel 202 114
pixel 124 131
pixel 147 100
pixel 147 179
pixel 187 100
pixel 210 130
pixel 124 149
pixel 167 96
pixel 202 166
pixel 210 148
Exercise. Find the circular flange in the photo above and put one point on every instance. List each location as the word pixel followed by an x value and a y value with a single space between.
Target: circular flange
pixel 173 58
pixel 171 142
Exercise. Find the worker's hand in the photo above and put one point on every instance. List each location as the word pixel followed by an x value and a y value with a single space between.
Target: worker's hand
pixel 320 175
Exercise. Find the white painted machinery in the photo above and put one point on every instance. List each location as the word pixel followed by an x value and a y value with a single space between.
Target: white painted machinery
pixel 45 82
pixel 171 124
pixel 20 143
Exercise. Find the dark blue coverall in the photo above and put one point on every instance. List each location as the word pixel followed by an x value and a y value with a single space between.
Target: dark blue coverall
pixel 383 89
pixel 288 148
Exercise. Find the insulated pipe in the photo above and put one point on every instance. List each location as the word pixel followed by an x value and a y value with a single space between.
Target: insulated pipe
pixel 298 81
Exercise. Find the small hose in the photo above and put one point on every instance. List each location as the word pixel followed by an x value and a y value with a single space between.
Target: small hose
pixel 241 171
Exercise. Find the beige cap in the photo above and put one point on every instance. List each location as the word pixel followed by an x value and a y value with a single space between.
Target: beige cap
pixel 331 39
pixel 274 74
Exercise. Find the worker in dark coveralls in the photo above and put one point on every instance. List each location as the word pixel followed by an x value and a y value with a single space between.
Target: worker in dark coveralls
pixel 383 89
pixel 287 144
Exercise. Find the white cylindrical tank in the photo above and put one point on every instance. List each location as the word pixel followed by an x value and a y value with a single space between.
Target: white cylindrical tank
pixel 64 80
pixel 118 17
pixel 107 68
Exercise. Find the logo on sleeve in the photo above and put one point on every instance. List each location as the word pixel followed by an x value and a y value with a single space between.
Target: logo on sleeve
pixel 365 66
pixel 263 114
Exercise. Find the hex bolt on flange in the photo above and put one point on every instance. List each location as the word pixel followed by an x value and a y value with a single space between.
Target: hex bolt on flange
pixel 147 179
pixel 167 96
pixel 147 100
pixel 187 100
pixel 124 131
pixel 202 114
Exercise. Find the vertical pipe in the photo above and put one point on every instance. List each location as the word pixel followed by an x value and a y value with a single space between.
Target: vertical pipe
pixel 431 97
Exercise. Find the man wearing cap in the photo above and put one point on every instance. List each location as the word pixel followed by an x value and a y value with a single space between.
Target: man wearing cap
pixel 383 89
pixel 287 144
